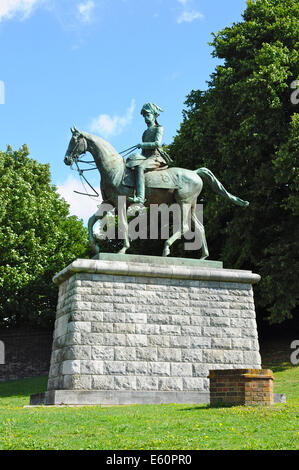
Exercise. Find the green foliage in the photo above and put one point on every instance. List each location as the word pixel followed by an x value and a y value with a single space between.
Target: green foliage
pixel 245 129
pixel 37 237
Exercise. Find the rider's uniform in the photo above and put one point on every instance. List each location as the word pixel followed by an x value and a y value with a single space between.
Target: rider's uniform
pixel 150 158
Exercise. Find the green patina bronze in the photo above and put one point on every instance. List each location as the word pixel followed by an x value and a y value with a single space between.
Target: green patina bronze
pixel 152 156
pixel 149 175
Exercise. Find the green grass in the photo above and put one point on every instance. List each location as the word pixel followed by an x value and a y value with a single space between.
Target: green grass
pixel 149 426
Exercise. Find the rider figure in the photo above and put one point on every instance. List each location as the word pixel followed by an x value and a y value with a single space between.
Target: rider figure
pixel 151 156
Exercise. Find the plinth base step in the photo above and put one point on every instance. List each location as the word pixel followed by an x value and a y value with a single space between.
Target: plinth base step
pixel 121 397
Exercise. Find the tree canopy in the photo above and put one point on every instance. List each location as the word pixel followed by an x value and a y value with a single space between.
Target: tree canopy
pixel 245 129
pixel 38 238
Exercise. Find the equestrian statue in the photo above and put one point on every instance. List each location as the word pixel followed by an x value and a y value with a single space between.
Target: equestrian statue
pixel 145 178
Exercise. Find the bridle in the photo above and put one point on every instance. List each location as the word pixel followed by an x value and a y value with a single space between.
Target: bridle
pixel 75 159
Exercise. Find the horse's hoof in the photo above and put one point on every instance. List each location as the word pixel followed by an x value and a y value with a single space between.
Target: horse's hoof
pixel 166 252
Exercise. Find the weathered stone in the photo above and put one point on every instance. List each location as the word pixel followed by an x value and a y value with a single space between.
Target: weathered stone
pixel 125 353
pixel 169 354
pixel 102 382
pixel 105 353
pixel 91 367
pixel 146 354
pixel 146 383
pixel 192 383
pixel 114 367
pixel 125 383
pixel 136 340
pixel 71 367
pixel 136 368
pixel 180 369
pixel 159 369
pixel 170 383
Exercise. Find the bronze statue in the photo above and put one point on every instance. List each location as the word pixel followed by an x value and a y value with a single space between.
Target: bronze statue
pixel 168 185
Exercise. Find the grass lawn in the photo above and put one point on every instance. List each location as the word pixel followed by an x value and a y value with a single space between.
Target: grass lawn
pixel 155 427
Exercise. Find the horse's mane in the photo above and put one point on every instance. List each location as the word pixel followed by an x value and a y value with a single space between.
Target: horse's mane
pixel 103 144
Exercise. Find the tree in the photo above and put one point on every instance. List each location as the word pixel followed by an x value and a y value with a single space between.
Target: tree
pixel 38 238
pixel 244 128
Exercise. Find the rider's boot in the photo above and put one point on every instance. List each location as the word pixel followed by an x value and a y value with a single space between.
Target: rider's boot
pixel 140 187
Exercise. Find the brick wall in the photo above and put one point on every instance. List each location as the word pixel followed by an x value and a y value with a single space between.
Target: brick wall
pixel 241 387
pixel 27 353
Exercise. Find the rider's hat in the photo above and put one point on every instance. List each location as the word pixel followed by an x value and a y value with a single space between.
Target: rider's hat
pixel 151 108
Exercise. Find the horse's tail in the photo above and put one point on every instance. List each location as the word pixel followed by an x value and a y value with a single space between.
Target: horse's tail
pixel 218 188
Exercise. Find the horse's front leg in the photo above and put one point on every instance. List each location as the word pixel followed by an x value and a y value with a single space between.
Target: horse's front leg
pixel 181 229
pixel 92 220
pixel 123 228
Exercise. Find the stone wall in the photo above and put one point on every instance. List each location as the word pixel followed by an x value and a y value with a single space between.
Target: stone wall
pixel 27 353
pixel 148 332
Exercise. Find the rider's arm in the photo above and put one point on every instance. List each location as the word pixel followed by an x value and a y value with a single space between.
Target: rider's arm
pixel 157 142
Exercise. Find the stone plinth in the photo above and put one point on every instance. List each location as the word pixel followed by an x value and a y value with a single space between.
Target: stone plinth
pixel 148 330
pixel 241 387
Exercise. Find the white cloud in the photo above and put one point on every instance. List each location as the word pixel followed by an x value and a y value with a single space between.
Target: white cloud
pixel 188 16
pixel 10 8
pixel 106 125
pixel 85 10
pixel 81 206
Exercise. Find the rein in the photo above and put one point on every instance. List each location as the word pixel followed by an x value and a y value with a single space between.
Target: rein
pixel 81 172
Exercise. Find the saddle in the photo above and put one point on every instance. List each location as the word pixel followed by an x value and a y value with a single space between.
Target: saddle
pixel 159 179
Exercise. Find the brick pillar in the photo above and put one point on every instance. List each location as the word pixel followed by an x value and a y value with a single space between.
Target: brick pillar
pixel 241 387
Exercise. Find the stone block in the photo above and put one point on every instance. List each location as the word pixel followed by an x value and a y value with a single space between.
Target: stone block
pixel 159 369
pixel 91 367
pixel 71 367
pixel 136 368
pixel 102 353
pixel 147 354
pixel 114 367
pixel 136 340
pixel 170 383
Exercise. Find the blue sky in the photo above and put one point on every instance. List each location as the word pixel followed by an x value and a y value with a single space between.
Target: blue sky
pixel 94 63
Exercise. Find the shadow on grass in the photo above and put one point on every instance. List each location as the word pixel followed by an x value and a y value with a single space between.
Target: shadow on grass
pixel 23 387
pixel 207 407
pixel 278 367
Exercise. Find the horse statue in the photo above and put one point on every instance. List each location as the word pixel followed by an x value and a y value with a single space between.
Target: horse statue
pixel 170 185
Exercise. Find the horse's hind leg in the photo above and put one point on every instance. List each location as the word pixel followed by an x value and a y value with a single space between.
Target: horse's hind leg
pixel 185 209
pixel 91 221
pixel 199 227
pixel 123 224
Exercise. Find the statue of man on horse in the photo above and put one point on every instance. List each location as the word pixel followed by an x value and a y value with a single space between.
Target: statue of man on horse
pixel 138 180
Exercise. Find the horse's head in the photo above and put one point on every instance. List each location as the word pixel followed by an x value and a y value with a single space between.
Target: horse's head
pixel 77 146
